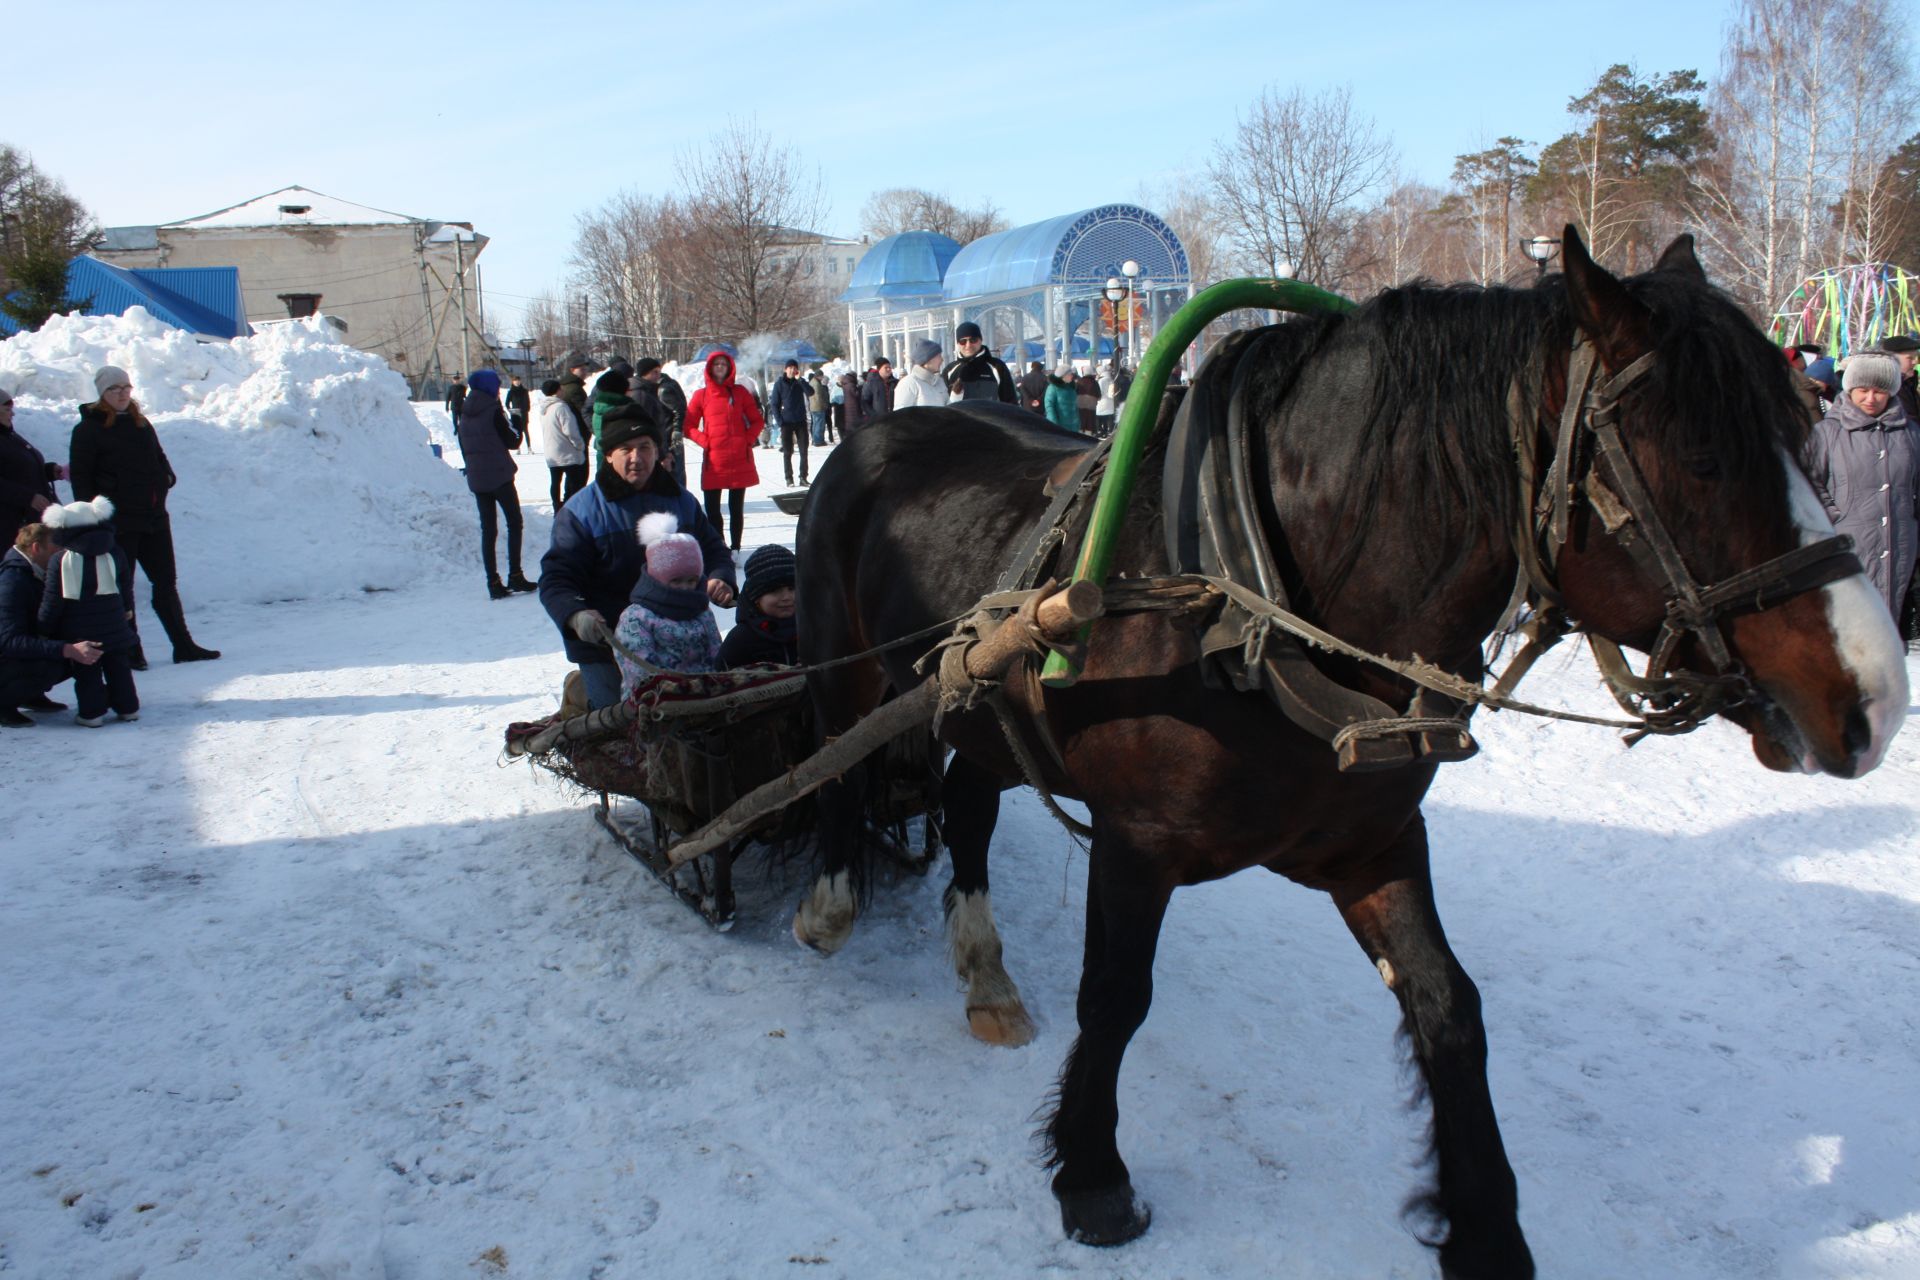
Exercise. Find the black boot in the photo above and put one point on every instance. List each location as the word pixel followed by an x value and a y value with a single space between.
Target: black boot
pixel 42 703
pixel 11 719
pixel 517 581
pixel 497 589
pixel 166 607
pixel 138 659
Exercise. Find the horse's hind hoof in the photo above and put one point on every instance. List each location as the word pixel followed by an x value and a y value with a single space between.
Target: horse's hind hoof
pixel 1111 1216
pixel 1008 1028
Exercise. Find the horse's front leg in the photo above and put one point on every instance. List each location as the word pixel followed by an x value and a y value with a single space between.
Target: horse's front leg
pixel 970 799
pixel 1474 1205
pixel 1126 901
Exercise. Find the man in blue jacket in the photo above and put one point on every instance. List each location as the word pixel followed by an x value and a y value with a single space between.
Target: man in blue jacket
pixel 30 663
pixel 589 572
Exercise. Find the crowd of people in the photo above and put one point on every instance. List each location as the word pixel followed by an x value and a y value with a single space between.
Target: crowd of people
pixel 67 575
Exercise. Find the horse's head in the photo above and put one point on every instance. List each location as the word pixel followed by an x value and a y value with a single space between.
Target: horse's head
pixel 1706 429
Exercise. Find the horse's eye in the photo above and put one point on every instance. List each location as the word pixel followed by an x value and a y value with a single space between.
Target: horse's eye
pixel 1704 466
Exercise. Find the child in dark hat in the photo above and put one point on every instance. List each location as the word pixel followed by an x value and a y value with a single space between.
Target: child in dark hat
pixel 766 628
pixel 668 624
pixel 89 596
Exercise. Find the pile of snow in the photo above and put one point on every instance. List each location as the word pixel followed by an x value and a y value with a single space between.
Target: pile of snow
pixel 302 468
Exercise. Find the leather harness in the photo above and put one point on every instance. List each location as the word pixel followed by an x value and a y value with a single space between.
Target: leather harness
pixel 1225 570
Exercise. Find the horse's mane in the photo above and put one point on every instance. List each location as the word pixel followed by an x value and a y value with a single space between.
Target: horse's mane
pixel 1454 354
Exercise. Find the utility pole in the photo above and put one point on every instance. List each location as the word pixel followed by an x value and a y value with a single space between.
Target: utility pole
pixel 460 266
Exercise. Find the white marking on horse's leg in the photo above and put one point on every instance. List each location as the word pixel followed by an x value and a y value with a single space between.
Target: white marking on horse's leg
pixel 995 1012
pixel 1385 966
pixel 825 918
pixel 1870 644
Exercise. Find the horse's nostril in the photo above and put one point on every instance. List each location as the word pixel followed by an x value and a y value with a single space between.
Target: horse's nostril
pixel 1856 735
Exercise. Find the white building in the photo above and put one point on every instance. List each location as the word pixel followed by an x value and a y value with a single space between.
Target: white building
pixel 394 281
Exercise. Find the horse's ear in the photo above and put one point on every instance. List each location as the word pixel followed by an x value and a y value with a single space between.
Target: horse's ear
pixel 1679 256
pixel 1601 305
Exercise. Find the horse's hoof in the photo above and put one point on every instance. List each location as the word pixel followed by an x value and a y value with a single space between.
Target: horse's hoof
pixel 1007 1027
pixel 824 921
pixel 1111 1216
pixel 825 946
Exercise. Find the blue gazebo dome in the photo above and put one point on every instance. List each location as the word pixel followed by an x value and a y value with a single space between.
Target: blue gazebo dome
pixel 904 267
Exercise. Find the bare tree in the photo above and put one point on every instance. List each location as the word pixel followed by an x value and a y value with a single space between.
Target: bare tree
pixel 745 238
pixel 1403 238
pixel 1290 181
pixel 900 209
pixel 1187 208
pixel 545 323
pixel 1877 104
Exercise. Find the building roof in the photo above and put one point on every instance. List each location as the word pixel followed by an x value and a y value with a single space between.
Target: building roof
pixel 202 300
pixel 903 267
pixel 1075 248
pixel 297 207
pixel 120 239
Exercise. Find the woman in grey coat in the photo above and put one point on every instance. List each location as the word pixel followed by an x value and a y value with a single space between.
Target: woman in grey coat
pixel 1864 461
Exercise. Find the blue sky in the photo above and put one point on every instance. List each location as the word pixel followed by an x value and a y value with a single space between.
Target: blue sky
pixel 518 117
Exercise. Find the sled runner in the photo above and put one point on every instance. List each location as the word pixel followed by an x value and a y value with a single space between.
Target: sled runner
pixel 686 746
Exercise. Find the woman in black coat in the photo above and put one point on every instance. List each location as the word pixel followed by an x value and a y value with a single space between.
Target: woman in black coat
pixel 115 453
pixel 26 478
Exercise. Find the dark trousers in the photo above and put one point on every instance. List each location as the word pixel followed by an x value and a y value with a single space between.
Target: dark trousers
pixel 575 478
pixel 736 503
pixel 790 433
pixel 836 421
pixel 518 421
pixel 508 501
pixel 107 683
pixel 24 679
pixel 152 550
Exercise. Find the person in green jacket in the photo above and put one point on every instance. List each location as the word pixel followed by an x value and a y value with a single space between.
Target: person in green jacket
pixel 612 403
pixel 1062 403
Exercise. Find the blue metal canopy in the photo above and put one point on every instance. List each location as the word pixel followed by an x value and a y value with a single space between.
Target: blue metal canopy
pixel 1075 248
pixel 903 267
pixel 202 300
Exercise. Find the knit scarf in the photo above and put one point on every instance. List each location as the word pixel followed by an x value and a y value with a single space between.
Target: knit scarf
pixel 73 564
pixel 671 603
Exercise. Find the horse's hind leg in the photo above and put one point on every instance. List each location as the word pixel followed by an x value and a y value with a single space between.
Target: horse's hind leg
pixel 1126 901
pixel 970 797
pixel 1473 1208
pixel 824 919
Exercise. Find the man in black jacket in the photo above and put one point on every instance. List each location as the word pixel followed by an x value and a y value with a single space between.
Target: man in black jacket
pixel 790 396
pixel 650 380
pixel 876 394
pixel 1905 348
pixel 30 663
pixel 519 409
pixel 977 374
pixel 456 396
pixel 26 477
pixel 1033 387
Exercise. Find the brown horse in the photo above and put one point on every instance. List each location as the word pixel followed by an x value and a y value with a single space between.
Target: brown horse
pixel 1382 456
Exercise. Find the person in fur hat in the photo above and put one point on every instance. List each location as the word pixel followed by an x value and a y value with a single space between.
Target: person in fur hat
pixel 89 596
pixel 766 629
pixel 1864 461
pixel 668 624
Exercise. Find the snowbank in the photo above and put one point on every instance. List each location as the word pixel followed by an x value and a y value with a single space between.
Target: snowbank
pixel 303 470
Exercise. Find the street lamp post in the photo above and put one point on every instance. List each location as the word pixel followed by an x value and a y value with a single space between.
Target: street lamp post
pixel 1542 249
pixel 1117 290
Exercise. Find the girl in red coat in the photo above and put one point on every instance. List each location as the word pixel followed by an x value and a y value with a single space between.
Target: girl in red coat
pixel 724 421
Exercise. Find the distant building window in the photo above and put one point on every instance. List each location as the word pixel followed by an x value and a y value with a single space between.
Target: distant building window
pixel 300 305
pixel 833 266
pixel 849 266
pixel 296 209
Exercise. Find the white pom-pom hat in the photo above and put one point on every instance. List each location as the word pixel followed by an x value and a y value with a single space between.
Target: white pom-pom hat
pixel 79 515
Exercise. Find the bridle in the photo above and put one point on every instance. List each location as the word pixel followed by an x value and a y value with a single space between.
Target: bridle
pixel 1589 457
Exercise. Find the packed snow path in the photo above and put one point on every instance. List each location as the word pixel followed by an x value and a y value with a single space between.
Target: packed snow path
pixel 298 980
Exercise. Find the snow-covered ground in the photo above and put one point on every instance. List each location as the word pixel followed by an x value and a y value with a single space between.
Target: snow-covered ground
pixel 301 980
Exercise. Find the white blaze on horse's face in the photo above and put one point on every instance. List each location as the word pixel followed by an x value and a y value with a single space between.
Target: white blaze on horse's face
pixel 1869 643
